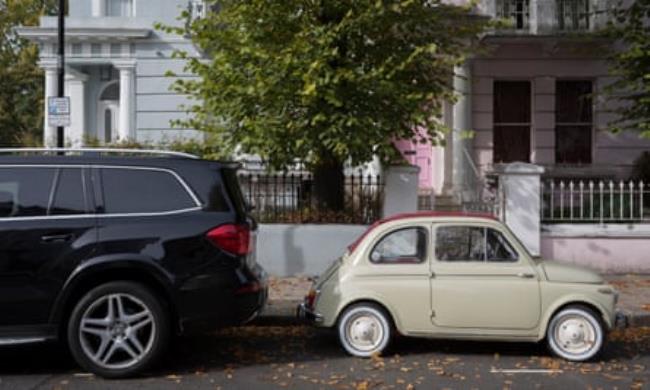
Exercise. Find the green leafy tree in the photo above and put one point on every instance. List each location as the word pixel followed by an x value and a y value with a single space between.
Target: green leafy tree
pixel 21 80
pixel 324 81
pixel 631 29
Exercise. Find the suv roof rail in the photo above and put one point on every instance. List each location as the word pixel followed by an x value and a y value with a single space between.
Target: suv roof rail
pixel 99 151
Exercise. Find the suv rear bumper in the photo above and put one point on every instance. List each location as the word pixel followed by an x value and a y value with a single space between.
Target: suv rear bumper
pixel 210 305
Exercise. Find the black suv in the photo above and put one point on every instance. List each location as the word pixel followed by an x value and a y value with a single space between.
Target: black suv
pixel 114 252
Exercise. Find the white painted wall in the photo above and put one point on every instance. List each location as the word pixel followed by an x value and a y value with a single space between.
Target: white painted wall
pixel 286 250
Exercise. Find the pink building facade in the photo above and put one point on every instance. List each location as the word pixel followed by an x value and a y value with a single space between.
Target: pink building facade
pixel 534 94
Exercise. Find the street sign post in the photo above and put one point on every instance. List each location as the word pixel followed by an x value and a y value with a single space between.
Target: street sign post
pixel 58 111
pixel 61 72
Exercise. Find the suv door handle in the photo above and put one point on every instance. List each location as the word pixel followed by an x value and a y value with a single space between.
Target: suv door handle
pixel 57 238
pixel 526 275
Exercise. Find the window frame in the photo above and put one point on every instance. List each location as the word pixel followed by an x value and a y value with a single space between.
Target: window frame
pixel 568 21
pixel 105 10
pixel 513 15
pixel 529 124
pixel 591 125
pixel 380 239
pixel 485 261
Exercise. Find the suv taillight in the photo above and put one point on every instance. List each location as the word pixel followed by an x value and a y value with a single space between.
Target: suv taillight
pixel 231 238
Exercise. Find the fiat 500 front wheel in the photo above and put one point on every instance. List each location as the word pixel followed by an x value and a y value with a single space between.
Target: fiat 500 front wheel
pixel 575 333
pixel 365 329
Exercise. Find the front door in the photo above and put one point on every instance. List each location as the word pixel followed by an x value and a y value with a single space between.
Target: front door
pixel 44 233
pixel 108 120
pixel 480 281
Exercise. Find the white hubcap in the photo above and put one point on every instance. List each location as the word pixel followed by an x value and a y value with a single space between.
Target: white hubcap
pixel 575 335
pixel 364 332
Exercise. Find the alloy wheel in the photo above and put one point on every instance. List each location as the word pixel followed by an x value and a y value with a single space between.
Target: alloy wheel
pixel 117 331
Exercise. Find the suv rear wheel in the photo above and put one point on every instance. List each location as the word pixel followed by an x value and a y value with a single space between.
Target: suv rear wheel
pixel 118 329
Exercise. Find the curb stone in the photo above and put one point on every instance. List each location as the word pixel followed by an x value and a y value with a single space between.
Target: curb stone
pixel 638 320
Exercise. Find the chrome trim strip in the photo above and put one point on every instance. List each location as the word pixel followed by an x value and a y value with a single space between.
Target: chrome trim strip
pixel 82 216
pixel 18 341
pixel 100 150
pixel 184 184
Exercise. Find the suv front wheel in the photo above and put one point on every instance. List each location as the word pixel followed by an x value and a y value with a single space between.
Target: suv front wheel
pixel 118 329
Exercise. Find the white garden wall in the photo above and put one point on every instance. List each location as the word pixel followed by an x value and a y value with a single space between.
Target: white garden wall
pixel 301 249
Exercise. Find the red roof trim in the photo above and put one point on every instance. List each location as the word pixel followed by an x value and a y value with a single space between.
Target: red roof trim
pixel 420 214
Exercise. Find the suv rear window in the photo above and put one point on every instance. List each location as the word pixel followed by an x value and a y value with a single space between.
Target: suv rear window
pixel 25 192
pixel 128 191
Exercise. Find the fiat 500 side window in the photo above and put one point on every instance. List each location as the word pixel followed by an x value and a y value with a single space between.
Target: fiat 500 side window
pixel 473 243
pixel 404 246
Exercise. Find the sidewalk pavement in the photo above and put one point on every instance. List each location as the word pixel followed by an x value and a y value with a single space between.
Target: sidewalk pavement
pixel 285 294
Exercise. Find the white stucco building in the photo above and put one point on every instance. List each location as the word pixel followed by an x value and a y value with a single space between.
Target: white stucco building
pixel 116 63
pixel 522 95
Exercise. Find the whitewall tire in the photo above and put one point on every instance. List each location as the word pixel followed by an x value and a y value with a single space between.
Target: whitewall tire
pixel 365 329
pixel 576 334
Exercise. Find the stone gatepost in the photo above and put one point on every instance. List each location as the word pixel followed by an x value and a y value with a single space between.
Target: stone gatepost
pixel 520 187
pixel 401 190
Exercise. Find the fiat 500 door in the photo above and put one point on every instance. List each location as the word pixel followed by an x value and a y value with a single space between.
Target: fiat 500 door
pixel 480 281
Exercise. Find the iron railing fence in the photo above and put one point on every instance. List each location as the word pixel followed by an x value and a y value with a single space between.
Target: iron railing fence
pixel 595 201
pixel 290 198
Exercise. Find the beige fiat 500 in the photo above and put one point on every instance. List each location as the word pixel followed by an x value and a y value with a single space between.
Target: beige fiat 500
pixel 458 276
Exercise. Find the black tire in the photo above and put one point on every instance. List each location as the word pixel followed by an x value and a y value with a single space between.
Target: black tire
pixel 128 296
pixel 371 324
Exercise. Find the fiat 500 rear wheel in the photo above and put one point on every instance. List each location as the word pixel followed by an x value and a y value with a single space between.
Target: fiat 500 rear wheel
pixel 118 329
pixel 576 334
pixel 364 330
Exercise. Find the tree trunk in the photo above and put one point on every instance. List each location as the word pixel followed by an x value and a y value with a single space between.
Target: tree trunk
pixel 329 184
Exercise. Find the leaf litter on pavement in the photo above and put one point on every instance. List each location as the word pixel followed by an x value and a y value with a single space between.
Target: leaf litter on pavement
pixel 302 357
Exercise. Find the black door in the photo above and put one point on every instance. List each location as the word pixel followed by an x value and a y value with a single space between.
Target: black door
pixel 45 231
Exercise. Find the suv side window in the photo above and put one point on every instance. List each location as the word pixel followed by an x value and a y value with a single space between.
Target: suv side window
pixel 404 246
pixel 69 198
pixel 24 191
pixel 128 190
pixel 473 243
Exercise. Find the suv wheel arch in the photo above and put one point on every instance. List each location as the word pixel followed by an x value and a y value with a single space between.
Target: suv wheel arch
pixel 90 277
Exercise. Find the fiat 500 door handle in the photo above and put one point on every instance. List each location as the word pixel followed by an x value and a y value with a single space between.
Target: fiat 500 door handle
pixel 57 238
pixel 526 275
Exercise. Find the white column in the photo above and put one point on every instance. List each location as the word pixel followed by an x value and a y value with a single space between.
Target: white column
pixel 125 129
pixel 448 180
pixel 51 89
pixel 98 8
pixel 462 121
pixel 520 187
pixel 75 88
